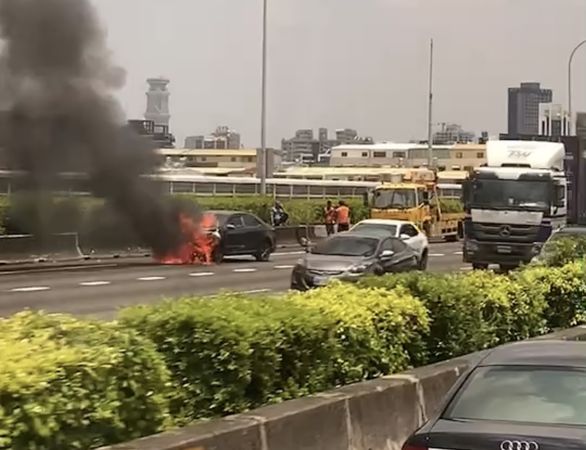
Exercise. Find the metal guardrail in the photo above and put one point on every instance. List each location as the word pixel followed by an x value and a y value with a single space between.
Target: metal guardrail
pixel 28 247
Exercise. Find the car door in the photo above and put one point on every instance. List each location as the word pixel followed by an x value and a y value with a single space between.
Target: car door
pixel 413 239
pixel 254 233
pixel 234 236
pixel 404 258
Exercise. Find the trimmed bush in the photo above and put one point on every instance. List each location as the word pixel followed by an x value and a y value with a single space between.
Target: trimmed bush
pixel 235 353
pixel 564 291
pixel 379 331
pixel 70 384
pixel 563 250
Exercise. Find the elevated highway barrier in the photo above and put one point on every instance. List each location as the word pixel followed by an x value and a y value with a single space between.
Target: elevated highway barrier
pixel 29 248
pixel 373 415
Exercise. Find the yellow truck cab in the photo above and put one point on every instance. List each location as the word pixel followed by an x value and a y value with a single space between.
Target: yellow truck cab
pixel 413 195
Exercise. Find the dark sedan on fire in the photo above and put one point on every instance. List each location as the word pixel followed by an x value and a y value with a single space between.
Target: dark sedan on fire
pixel 350 256
pixel 242 233
pixel 524 396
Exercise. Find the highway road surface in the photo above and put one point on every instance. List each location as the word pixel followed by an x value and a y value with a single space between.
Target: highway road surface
pixel 101 290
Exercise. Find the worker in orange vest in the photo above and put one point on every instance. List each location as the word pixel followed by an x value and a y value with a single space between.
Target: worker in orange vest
pixel 343 216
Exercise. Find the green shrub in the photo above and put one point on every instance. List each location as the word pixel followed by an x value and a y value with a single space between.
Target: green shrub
pixel 565 293
pixel 69 384
pixel 379 331
pixel 450 205
pixel 234 353
pixel 563 250
pixel 457 312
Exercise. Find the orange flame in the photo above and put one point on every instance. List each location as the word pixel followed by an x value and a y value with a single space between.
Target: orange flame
pixel 200 241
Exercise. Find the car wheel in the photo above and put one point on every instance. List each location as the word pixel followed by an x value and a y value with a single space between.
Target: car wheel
pixel 478 266
pixel 264 254
pixel 218 255
pixel 423 262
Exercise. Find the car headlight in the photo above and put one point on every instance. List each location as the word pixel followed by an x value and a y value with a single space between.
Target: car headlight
pixel 360 268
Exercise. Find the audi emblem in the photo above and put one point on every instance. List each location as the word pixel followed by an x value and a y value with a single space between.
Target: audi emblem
pixel 505 230
pixel 519 445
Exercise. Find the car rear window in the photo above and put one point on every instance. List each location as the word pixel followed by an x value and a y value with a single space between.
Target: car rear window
pixel 522 394
pixel 390 229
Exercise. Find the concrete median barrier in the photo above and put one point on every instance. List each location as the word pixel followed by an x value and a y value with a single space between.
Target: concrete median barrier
pixel 373 415
pixel 30 248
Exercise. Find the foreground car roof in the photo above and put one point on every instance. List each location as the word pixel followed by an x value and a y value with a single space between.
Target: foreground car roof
pixel 538 353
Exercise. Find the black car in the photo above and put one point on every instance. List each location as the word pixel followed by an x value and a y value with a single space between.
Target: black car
pixel 350 256
pixel 524 396
pixel 243 234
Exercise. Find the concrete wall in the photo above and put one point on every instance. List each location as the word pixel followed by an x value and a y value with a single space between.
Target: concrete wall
pixel 373 415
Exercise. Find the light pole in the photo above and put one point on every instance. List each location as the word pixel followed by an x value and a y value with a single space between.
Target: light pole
pixel 263 108
pixel 570 113
pixel 430 111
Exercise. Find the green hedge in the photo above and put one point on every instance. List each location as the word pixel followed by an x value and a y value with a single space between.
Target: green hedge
pixel 69 384
pixel 95 220
pixel 76 384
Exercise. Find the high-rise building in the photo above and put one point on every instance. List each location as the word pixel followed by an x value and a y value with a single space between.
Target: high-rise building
pixel 524 108
pixel 158 101
pixel 554 120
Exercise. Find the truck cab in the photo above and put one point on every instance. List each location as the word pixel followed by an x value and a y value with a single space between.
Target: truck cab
pixel 514 203
pixel 413 196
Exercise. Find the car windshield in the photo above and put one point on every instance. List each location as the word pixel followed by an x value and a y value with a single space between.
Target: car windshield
pixel 523 394
pixel 366 227
pixel 346 246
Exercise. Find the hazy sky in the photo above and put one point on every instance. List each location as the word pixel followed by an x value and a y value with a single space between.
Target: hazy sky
pixel 343 63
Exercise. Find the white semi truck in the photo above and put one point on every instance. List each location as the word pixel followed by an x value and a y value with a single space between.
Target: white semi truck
pixel 514 203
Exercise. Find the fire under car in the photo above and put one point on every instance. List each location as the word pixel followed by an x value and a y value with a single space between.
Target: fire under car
pixel 243 234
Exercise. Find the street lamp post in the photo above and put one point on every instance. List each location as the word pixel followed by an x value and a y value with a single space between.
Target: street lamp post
pixel 429 110
pixel 263 113
pixel 570 113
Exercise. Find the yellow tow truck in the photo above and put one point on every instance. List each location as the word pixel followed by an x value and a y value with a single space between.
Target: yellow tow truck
pixel 414 195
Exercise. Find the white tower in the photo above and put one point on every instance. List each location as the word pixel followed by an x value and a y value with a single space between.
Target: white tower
pixel 158 101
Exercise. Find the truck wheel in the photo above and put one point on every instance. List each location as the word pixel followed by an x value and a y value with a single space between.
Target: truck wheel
pixel 478 266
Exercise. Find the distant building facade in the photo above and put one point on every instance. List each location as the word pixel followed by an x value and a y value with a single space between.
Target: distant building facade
pixel 523 108
pixel 305 148
pixel 451 133
pixel 222 138
pixel 554 120
pixel 388 154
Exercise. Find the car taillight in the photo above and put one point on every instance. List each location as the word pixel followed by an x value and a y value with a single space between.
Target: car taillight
pixel 414 447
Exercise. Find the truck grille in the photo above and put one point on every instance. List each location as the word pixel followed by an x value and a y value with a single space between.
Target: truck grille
pixel 508 233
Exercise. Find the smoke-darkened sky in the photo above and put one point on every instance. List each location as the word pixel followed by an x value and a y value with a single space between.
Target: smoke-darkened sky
pixel 343 63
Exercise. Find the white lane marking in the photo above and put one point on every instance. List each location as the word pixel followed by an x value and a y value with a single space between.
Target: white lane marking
pixel 254 291
pixel 31 289
pixel 151 278
pixel 201 274
pixel 245 270
pixel 284 267
pixel 458 253
pixel 94 283
pixel 288 253
pixel 437 254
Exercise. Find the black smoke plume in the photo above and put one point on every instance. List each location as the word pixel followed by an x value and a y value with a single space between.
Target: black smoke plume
pixel 59 113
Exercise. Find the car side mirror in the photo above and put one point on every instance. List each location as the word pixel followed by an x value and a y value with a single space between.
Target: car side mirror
pixel 404 237
pixel 230 227
pixel 387 254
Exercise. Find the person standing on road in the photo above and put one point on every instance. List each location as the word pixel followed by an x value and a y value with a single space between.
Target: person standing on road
pixel 343 216
pixel 330 218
